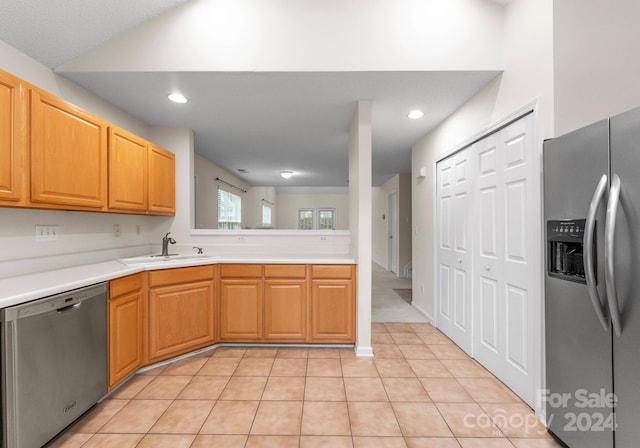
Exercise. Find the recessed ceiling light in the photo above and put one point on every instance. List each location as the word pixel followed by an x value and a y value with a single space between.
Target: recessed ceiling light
pixel 415 114
pixel 177 98
pixel 286 174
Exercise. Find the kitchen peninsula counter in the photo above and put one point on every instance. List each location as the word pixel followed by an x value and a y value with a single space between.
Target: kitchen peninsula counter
pixel 24 288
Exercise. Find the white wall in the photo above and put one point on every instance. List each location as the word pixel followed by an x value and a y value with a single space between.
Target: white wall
pixel 206 213
pixel 252 207
pixel 288 205
pixel 22 66
pixel 207 191
pixel 275 35
pixel 527 77
pixel 596 63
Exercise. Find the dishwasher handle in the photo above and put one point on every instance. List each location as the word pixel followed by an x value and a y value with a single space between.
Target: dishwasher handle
pixel 65 309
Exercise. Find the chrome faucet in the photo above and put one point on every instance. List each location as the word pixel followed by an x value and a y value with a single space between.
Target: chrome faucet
pixel 166 240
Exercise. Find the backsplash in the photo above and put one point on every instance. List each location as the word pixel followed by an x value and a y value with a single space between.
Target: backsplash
pixel 82 237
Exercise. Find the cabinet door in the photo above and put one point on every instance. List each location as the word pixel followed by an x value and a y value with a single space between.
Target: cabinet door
pixel 332 310
pixel 241 309
pixel 181 319
pixel 125 336
pixel 162 181
pixel 285 310
pixel 68 155
pixel 128 156
pixel 13 125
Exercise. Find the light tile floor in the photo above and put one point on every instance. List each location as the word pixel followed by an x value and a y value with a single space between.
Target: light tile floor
pixel 418 391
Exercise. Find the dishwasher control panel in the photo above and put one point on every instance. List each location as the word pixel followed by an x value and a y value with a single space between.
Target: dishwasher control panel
pixel 59 302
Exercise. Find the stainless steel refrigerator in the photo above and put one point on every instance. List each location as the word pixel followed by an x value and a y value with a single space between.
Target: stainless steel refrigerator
pixel 592 284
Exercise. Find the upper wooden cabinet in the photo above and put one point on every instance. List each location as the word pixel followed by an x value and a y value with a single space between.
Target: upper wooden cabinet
pixel 68 155
pixel 162 181
pixel 55 155
pixel 128 171
pixel 13 140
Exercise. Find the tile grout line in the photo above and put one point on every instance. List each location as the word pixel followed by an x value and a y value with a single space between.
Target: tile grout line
pixel 402 356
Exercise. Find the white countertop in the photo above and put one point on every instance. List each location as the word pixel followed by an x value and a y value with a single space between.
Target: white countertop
pixel 21 289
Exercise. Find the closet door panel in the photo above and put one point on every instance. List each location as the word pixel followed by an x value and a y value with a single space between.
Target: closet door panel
pixel 504 273
pixel 453 296
pixel 487 212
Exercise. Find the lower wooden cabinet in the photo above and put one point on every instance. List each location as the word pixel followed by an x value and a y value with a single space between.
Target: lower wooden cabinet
pixel 241 309
pixel 263 303
pixel 285 310
pixel 181 311
pixel 125 322
pixel 162 314
pixel 333 304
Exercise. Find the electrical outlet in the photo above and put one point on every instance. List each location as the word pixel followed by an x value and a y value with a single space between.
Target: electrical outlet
pixel 240 239
pixel 116 230
pixel 323 238
pixel 137 229
pixel 46 232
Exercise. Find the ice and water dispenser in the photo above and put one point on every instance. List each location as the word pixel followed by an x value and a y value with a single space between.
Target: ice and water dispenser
pixel 565 249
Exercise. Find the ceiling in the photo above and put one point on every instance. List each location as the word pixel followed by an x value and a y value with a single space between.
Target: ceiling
pixel 259 122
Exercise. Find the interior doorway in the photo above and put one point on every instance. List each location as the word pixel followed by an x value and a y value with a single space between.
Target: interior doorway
pixel 388 297
pixel 392 231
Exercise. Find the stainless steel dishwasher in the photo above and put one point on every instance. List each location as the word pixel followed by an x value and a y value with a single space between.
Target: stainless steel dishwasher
pixel 53 362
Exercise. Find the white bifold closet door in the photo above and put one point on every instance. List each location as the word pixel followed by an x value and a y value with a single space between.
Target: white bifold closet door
pixel 501 254
pixel 454 252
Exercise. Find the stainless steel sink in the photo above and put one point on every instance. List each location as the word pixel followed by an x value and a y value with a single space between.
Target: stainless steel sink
pixel 155 259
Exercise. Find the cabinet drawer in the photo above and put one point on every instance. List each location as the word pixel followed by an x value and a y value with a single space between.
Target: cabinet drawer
pixel 180 275
pixel 332 271
pixel 124 285
pixel 240 270
pixel 285 271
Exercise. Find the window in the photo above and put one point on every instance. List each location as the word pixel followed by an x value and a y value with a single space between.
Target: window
pixel 229 210
pixel 326 218
pixel 305 218
pixel 266 215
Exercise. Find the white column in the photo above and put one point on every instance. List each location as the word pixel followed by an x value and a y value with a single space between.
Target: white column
pixel 360 194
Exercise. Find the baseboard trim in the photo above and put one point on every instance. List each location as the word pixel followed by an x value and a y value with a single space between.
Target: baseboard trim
pixel 423 313
pixel 364 352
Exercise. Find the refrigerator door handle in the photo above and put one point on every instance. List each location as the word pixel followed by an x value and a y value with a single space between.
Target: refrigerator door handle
pixel 589 273
pixel 609 242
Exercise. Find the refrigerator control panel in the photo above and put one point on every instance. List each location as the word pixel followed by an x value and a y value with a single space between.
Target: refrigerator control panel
pixel 565 249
